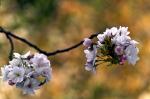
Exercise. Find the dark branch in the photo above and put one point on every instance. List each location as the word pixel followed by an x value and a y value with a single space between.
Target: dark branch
pixel 10 34
pixel 70 48
pixel 23 40
pixel 11 47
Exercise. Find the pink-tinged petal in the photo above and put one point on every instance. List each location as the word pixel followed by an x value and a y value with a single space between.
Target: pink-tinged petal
pixel 87 42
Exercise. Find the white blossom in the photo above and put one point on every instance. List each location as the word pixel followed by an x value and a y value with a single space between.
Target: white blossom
pixel 91 57
pixel 30 85
pixel 16 74
pixel 40 60
pixel 5 71
pixel 121 37
pixel 90 54
pixel 27 72
pixel 17 55
pixel 101 37
pixel 116 47
pixel 89 66
pixel 15 62
pixel 42 65
pixel 121 40
pixel 108 33
pixel 114 31
pixel 131 52
pixel 133 42
pixel 124 31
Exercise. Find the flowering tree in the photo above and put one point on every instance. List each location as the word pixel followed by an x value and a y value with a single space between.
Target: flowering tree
pixel 30 71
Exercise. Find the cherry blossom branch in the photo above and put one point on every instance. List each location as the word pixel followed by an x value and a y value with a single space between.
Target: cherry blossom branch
pixel 10 34
pixel 29 72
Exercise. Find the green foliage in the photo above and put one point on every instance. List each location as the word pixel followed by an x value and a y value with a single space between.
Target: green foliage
pixel 36 13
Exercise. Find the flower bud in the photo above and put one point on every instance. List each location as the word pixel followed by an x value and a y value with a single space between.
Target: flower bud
pixel 87 42
pixel 123 59
pixel 119 50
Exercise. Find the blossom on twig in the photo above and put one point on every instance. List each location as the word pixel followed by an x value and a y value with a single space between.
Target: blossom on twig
pixel 27 72
pixel 114 46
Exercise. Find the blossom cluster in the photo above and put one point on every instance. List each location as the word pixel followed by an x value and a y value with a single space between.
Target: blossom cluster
pixel 27 72
pixel 114 46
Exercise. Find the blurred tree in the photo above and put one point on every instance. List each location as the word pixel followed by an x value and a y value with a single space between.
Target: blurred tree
pixel 35 13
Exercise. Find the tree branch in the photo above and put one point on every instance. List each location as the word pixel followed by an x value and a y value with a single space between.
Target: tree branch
pixel 11 47
pixel 10 34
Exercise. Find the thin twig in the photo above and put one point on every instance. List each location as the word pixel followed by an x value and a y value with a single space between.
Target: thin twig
pixel 10 34
pixel 11 46
pixel 70 48
pixel 22 40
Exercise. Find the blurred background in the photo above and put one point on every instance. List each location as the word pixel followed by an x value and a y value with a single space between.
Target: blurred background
pixel 57 24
